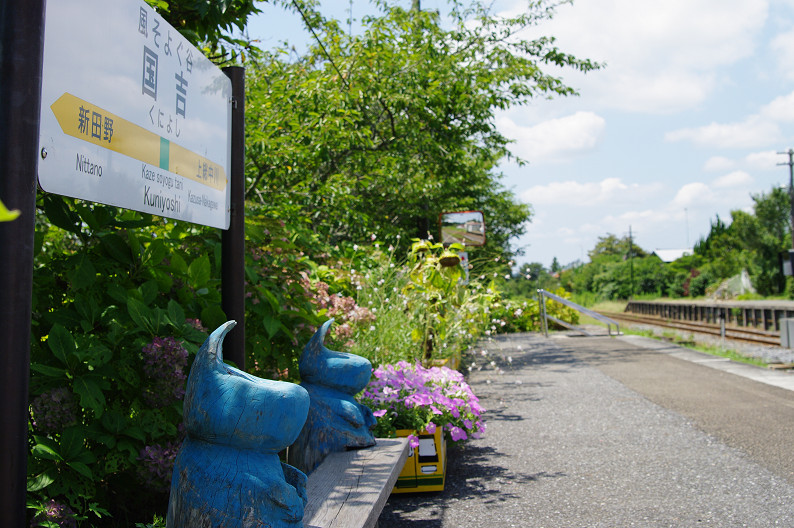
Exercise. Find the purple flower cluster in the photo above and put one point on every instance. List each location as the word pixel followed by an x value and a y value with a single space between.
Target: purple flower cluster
pixel 406 396
pixel 54 410
pixel 157 465
pixel 164 364
pixel 54 512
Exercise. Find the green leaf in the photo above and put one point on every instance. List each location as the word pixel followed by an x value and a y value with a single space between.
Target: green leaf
pixel 47 370
pixel 130 448
pixel 148 291
pixel 58 213
pixel 6 215
pixel 87 307
pixel 72 442
pixel 62 344
pixel 40 481
pixel 141 315
pixel 114 421
pixel 213 316
pixel 155 253
pixel 199 272
pixel 176 315
pixel 116 248
pixel 81 468
pixel 91 396
pixel 117 292
pixel 271 325
pixel 178 264
pixel 46 452
pixel 135 432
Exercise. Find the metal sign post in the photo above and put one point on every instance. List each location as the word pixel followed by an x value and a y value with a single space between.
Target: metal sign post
pixel 233 239
pixel 21 45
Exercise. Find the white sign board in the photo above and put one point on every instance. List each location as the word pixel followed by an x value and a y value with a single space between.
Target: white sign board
pixel 132 114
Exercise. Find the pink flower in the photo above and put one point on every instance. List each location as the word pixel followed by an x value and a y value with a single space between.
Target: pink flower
pixel 413 441
pixel 379 413
pixel 430 428
pixel 457 434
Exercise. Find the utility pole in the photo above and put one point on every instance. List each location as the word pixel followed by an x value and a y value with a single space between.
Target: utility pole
pixel 790 164
pixel 631 262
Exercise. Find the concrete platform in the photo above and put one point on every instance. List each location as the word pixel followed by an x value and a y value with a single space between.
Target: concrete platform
pixel 615 432
pixel 777 378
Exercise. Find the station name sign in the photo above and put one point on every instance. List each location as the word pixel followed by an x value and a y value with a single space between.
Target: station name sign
pixel 132 114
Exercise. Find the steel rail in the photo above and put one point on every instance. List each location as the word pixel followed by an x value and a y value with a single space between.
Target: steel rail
pixel 744 334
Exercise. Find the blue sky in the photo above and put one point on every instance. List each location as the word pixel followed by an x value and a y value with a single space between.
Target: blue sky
pixel 682 124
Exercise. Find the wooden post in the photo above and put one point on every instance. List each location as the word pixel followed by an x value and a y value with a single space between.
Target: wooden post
pixel 233 239
pixel 22 47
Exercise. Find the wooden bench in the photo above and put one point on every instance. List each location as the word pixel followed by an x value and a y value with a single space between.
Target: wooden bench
pixel 349 489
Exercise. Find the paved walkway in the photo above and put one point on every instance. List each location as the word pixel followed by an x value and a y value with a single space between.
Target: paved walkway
pixel 606 432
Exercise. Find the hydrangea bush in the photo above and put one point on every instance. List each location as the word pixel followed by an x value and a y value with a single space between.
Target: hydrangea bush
pixel 410 396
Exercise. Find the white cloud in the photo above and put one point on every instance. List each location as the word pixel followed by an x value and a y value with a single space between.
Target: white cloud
pixel 783 46
pixel 573 193
pixel 781 109
pixel 733 179
pixel 719 163
pixel 554 139
pixel 763 160
pixel 693 194
pixel 753 132
pixel 659 58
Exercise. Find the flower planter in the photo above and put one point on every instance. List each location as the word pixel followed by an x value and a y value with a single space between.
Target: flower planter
pixel 452 362
pixel 426 466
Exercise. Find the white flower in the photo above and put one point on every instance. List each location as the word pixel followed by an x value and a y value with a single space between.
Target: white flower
pixel 355 247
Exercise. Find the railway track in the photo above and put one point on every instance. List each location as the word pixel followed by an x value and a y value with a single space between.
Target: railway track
pixel 744 334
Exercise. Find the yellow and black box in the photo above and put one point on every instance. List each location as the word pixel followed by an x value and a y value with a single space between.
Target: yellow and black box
pixel 426 466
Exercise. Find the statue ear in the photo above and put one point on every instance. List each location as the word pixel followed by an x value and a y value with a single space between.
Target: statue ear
pixel 315 345
pixel 211 352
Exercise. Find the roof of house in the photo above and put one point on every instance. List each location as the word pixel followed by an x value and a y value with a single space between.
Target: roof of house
pixel 669 255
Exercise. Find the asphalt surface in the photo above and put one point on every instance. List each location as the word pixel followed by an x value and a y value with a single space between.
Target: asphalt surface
pixel 613 432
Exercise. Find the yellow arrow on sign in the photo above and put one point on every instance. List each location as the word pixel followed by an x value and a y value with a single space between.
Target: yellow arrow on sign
pixel 97 126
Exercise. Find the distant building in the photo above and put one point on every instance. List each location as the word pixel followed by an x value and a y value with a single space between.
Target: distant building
pixel 669 255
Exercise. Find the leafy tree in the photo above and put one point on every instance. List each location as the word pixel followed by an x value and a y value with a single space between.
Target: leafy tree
pixel 381 132
pixel 211 25
pixel 611 245
pixel 752 241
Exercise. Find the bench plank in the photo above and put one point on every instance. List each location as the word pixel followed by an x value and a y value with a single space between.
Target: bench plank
pixel 350 488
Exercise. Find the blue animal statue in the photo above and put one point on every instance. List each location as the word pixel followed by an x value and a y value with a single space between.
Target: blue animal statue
pixel 336 421
pixel 228 473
